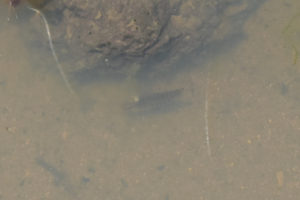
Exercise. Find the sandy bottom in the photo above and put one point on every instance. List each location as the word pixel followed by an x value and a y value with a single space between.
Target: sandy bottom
pixel 107 141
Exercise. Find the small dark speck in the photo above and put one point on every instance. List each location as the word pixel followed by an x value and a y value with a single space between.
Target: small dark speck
pixel 2 83
pixel 91 170
pixel 124 183
pixel 85 180
pixel 283 89
pixel 161 167
pixel 22 183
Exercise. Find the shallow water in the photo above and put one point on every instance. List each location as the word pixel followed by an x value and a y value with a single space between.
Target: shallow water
pixel 89 145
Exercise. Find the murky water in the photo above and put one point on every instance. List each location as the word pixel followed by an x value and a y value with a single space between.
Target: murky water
pixel 134 140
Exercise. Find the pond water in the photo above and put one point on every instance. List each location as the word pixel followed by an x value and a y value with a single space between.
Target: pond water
pixel 226 128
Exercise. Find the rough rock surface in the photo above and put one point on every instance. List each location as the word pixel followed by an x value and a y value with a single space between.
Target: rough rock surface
pixel 129 36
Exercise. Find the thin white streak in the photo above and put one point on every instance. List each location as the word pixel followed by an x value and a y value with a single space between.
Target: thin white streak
pixel 206 126
pixel 61 71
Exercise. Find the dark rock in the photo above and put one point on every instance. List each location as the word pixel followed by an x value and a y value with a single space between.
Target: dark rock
pixel 130 36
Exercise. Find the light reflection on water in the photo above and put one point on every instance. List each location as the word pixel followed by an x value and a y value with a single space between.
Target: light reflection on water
pixel 57 145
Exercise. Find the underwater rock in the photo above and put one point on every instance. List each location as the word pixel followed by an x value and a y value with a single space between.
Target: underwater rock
pixel 134 36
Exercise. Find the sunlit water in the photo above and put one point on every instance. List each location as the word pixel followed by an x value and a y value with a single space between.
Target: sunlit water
pixel 100 143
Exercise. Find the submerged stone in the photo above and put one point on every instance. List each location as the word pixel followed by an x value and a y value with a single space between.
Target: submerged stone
pixel 140 37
